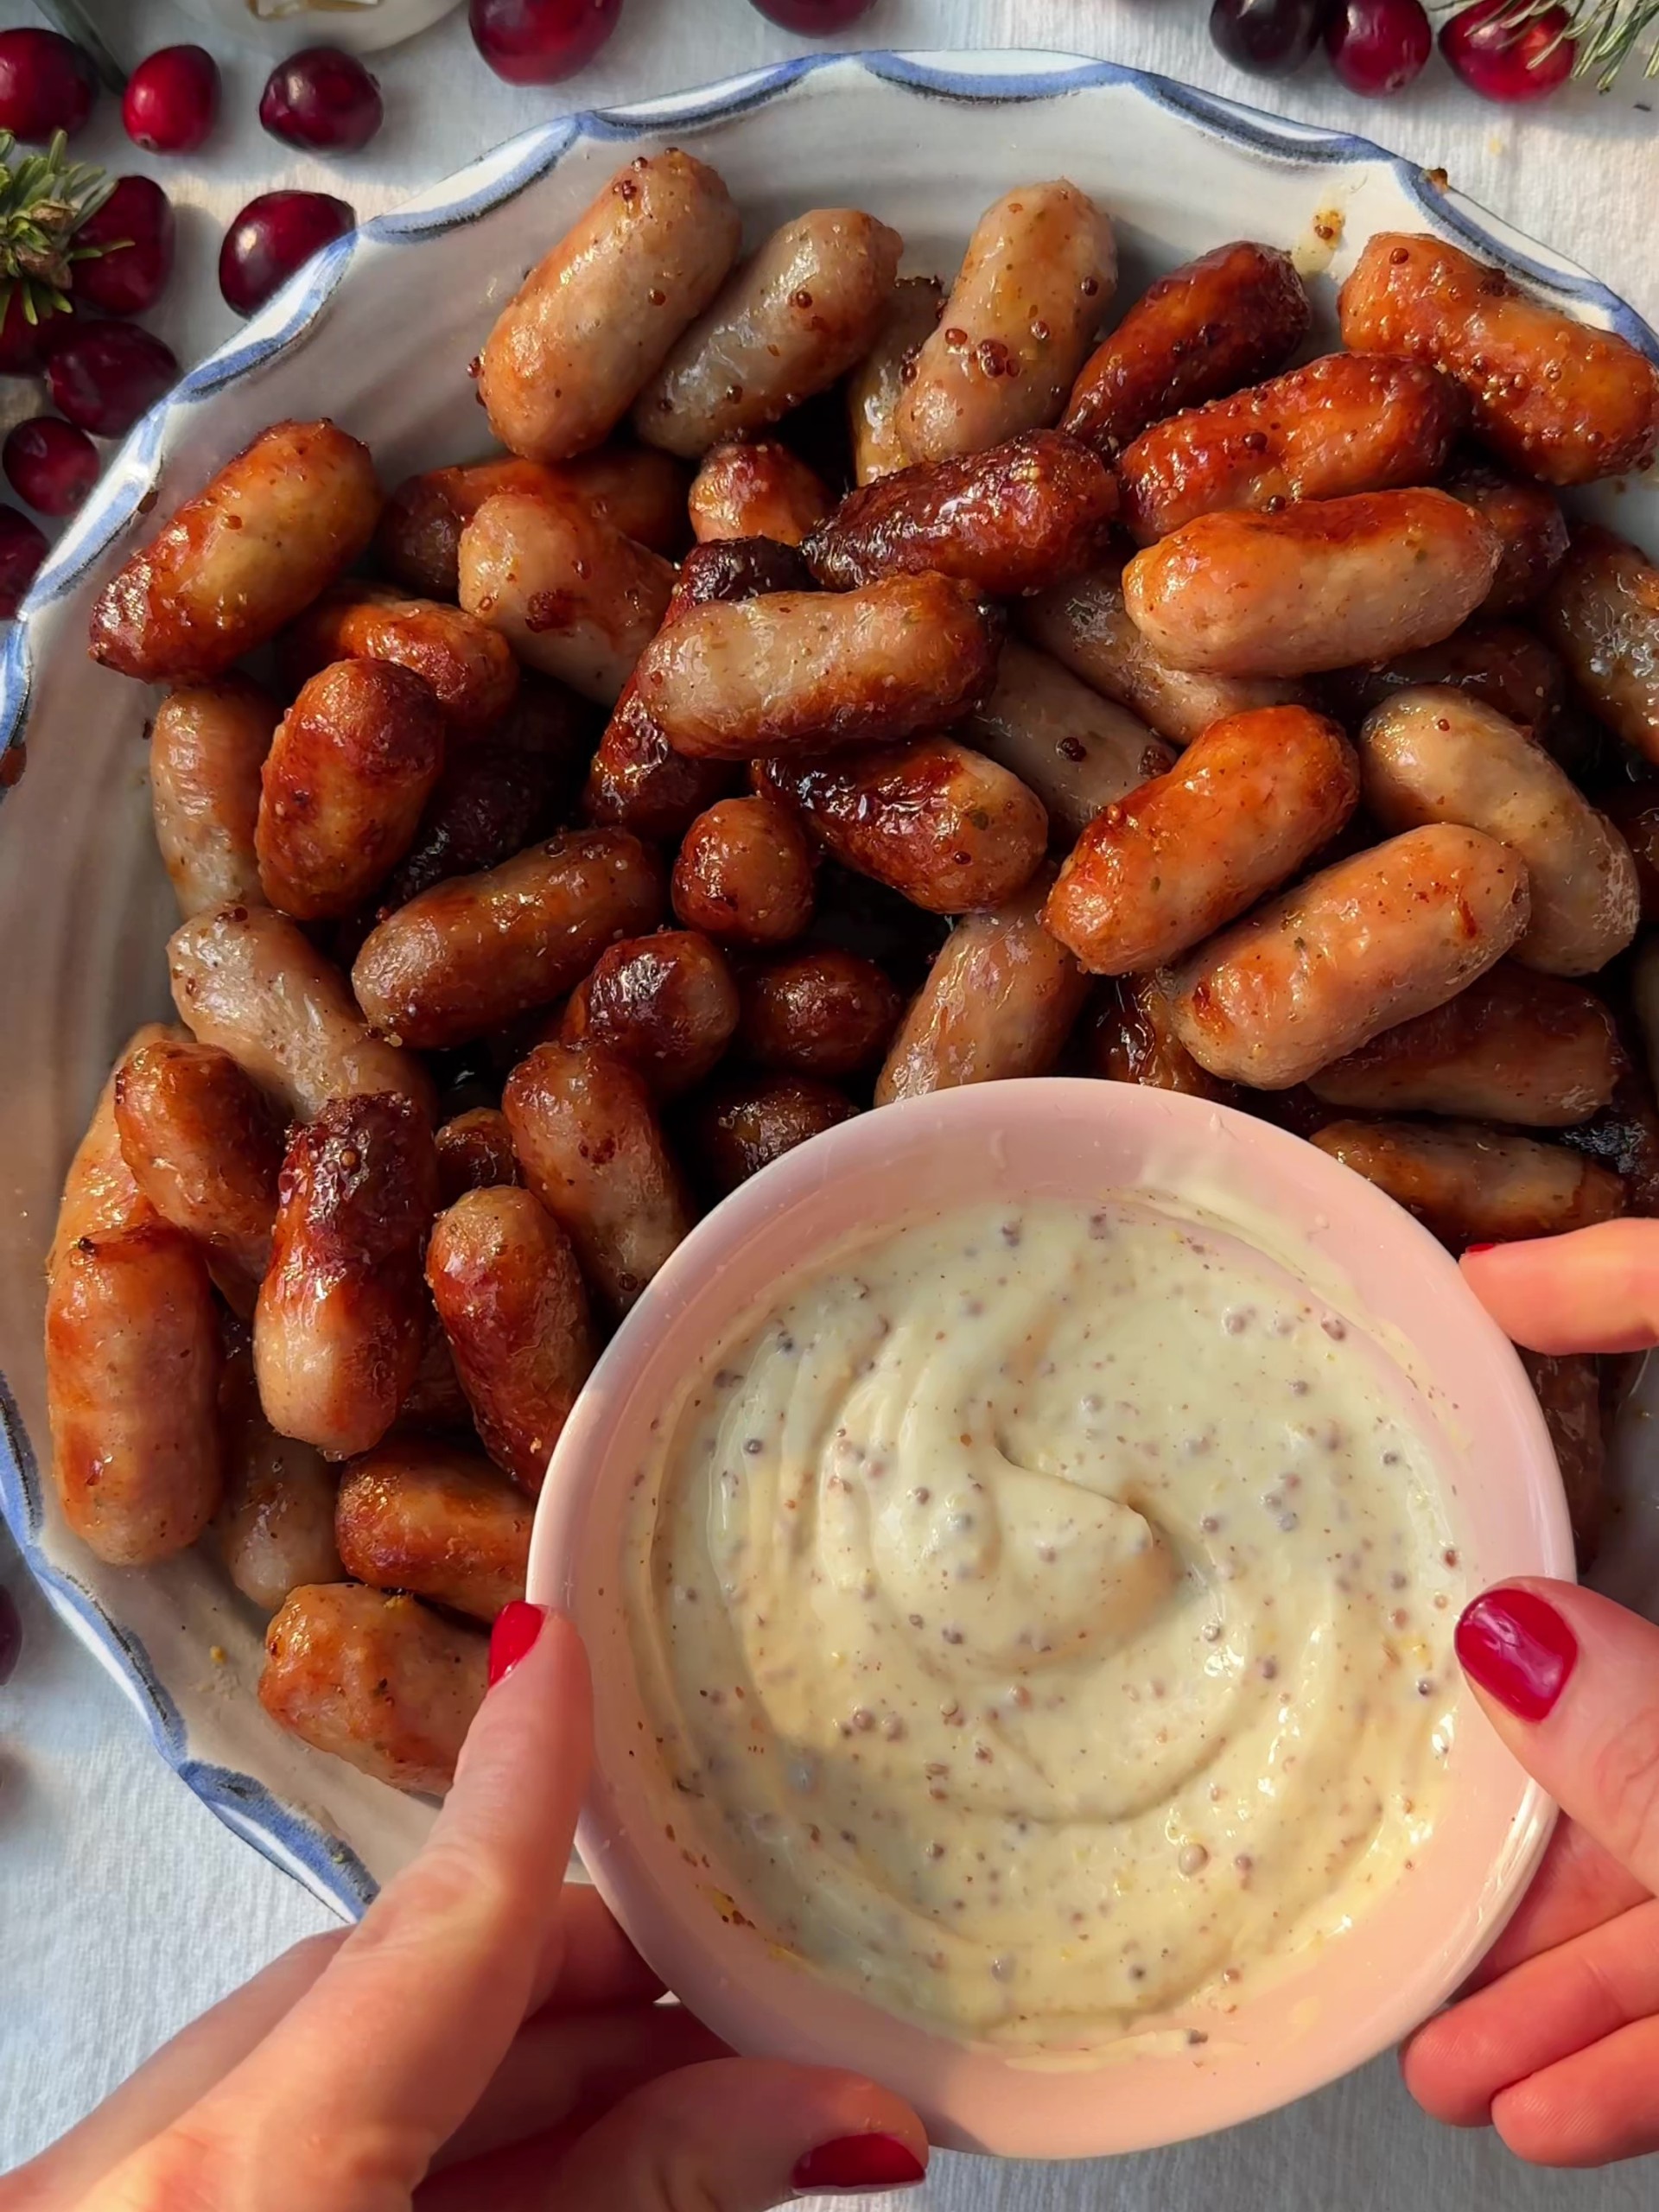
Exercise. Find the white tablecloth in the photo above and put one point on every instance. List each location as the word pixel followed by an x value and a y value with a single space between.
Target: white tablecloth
pixel 124 1908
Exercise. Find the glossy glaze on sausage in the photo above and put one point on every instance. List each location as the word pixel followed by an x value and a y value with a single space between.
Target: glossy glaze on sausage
pixel 757 490
pixel 1602 616
pixel 819 1011
pixel 1531 531
pixel 207 743
pixel 474 1153
pixel 468 667
pixel 1473 1185
pixel 876 384
pixel 1508 667
pixel 435 1520
pixel 743 874
pixel 743 1124
pixel 275 1526
pixel 666 1004
pixel 99 1194
pixel 1075 750
pixel 1129 1037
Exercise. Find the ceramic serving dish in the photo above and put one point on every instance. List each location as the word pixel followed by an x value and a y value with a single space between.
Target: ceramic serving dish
pixel 377 332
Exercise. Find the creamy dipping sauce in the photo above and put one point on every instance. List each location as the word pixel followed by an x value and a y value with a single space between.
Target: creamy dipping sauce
pixel 1045 1619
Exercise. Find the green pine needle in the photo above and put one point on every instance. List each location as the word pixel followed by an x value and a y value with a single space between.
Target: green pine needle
pixel 44 200
pixel 1606 33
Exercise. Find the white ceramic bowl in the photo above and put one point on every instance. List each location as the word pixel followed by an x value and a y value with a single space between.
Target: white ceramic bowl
pixel 281 26
pixel 377 332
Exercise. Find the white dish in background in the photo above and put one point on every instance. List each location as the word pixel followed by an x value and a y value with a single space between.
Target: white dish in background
pixel 282 26
pixel 379 332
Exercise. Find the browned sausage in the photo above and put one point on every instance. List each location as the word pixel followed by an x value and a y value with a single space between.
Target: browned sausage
pixel 434 1520
pixel 666 1004
pixel 1602 616
pixel 588 1140
pixel 99 1194
pixel 798 672
pixel 1513 1047
pixel 1552 397
pixel 1569 1390
pixel 744 874
pixel 510 1294
pixel 1362 946
pixel 352 763
pixel 1131 1038
pixel 275 1527
pixel 1000 1001
pixel 1239 812
pixel 473 951
pixel 762 490
pixel 435 1400
pixel 947 828
pixel 379 1681
pixel 1232 315
pixel 204 1147
pixel 1473 1185
pixel 469 668
pixel 874 387
pixel 1633 809
pixel 206 746
pixel 1530 526
pixel 1347 422
pixel 1507 667
pixel 743 1124
pixel 274 528
pixel 474 1153
pixel 337 1330
pixel 819 1012
pixel 595 318
pixel 1013 519
pixel 1075 750
pixel 1320 586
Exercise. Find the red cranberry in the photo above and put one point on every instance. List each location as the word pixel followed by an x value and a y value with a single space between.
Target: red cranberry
pixel 47 83
pixel 1270 38
pixel 272 236
pixel 813 18
pixel 23 549
pixel 108 374
pixel 1379 46
pixel 25 345
pixel 322 98
pixel 50 464
pixel 133 277
pixel 172 100
pixel 1504 56
pixel 538 41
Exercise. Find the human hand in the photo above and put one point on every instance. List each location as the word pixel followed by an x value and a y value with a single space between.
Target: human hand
pixel 484 2037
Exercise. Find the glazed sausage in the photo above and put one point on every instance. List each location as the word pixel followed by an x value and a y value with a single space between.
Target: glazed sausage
pixel 511 1297
pixel 798 672
pixel 275 1527
pixel 435 1400
pixel 1075 750
pixel 1318 970
pixel 1320 585
pixel 486 806
pixel 1085 627
pixel 1131 1038
pixel 352 764
pixel 1633 809
pixel 100 1195
pixel 1513 1047
pixel 1530 527
pixel 434 1520
pixel 475 951
pixel 592 1151
pixel 947 828
pixel 469 668
pixel 797 315
pixel 474 1153
pixel 1568 1388
pixel 206 746
pixel 1000 1001
pixel 635 489
pixel 1472 1184
pixel 239 560
pixel 1602 616
pixel 337 1331
pixel 757 491
pixel 204 1147
pixel 744 874
pixel 1240 812
pixel 1010 521
pixel 1347 422
pixel 379 1681
pixel 1552 397
pixel 666 1004
pixel 1021 316
pixel 743 1125
pixel 595 318
pixel 820 1011
pixel 572 596
pixel 252 982
pixel 875 385
pixel 1507 667
pixel 1436 755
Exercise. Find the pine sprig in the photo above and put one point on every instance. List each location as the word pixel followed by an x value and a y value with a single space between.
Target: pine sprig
pixel 44 200
pixel 1606 33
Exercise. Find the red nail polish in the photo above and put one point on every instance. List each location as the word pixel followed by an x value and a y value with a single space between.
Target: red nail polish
pixel 1469 1249
pixel 858 2162
pixel 517 1627
pixel 1514 1645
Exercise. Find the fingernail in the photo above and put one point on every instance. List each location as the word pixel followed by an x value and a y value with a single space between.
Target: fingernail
pixel 517 1627
pixel 1514 1645
pixel 858 2162
pixel 1469 1250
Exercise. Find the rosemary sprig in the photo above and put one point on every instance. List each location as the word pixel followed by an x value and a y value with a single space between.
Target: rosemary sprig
pixel 1606 33
pixel 44 200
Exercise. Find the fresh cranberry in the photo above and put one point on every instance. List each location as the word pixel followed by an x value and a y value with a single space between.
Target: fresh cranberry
pixel 1270 38
pixel 172 100
pixel 1506 55
pixel 1377 47
pixel 132 276
pixel 322 99
pixel 813 18
pixel 50 464
pixel 539 42
pixel 25 345
pixel 47 83
pixel 272 236
pixel 23 549
pixel 106 376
